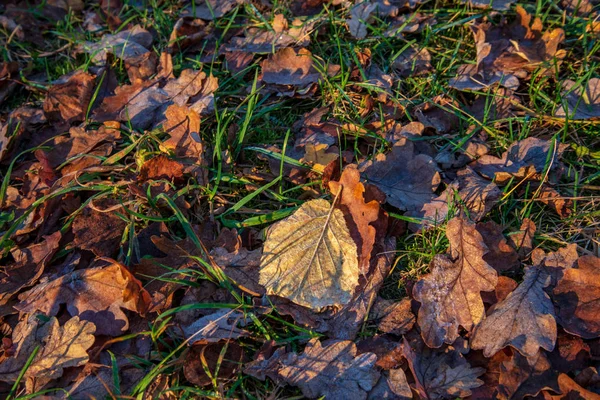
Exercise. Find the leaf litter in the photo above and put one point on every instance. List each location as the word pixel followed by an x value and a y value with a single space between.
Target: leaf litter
pixel 219 202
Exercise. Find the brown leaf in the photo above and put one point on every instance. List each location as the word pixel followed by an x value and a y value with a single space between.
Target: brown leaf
pixel 281 34
pixel 221 325
pixel 408 180
pixel 504 287
pixel 69 101
pixel 440 374
pixel 95 294
pixel 499 5
pixel 190 84
pixel 60 347
pixel 524 320
pixel 161 167
pixel 29 265
pixel 570 390
pixel 413 62
pixel 331 369
pixel 392 385
pixel 359 215
pixel 205 358
pixel 388 351
pixel 501 256
pixel 97 230
pixel 288 67
pixel 521 376
pixel 580 102
pixel 450 294
pixel 563 206
pixel 525 159
pixel 577 298
pixel 393 317
pixel 522 241
pixel 140 104
pixel 571 353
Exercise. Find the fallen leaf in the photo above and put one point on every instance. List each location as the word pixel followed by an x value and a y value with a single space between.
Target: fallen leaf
pixel 69 101
pixel 209 362
pixel 190 84
pixel 331 369
pixel 441 374
pixel 359 19
pixel 94 294
pixel 97 230
pixel 392 385
pixel 388 351
pixel 60 347
pixel 577 298
pixel 563 206
pixel 288 67
pixel 161 167
pixel 522 240
pixel 501 256
pixel 408 180
pixel 498 5
pixel 524 320
pixel 570 354
pixel 413 62
pixel 521 376
pixel 450 294
pixel 310 257
pixel 359 214
pixel 504 287
pixel 526 159
pixel 580 102
pixel 393 317
pixel 222 325
pixel 29 265
pixel 569 389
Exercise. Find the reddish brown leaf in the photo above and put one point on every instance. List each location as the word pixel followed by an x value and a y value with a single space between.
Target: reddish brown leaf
pixel 359 215
pixel 450 294
pixel 69 101
pixel 161 167
pixel 206 358
pixel 522 241
pixel 521 376
pixel 99 229
pixel 502 257
pixel 95 294
pixel 393 317
pixel 577 298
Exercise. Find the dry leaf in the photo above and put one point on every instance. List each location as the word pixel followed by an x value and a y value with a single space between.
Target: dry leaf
pixel 310 257
pixel 211 9
pixel 502 256
pixel 98 231
pixel 60 347
pixel 408 180
pixel 29 265
pixel 450 294
pixel 580 102
pixel 441 374
pixel 499 5
pixel 69 101
pixel 392 385
pixel 94 294
pixel 525 159
pixel 359 214
pixel 393 317
pixel 205 362
pixel 571 390
pixel 288 67
pixel 332 370
pixel 524 320
pixel 222 325
pixel 161 167
pixel 522 240
pixel 413 62
pixel 577 298
pixel 521 376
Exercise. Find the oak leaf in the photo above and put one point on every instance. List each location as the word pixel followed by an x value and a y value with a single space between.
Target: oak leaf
pixel 450 295
pixel 310 257
pixel 524 320
pixel 95 294
pixel 440 374
pixel 331 369
pixel 522 376
pixel 68 101
pixel 577 298
pixel 60 347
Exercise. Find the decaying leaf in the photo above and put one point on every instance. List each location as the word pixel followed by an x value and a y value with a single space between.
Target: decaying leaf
pixel 28 267
pixel 525 159
pixel 212 9
pixel 331 369
pixel 60 347
pixel 208 362
pixel 392 385
pixel 450 294
pixel 441 374
pixel 524 320
pixel 222 325
pixel 577 298
pixel 393 317
pixel 502 256
pixel 408 180
pixel 311 258
pixel 580 102
pixel 99 229
pixel 360 215
pixel 68 101
pixel 522 376
pixel 95 294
